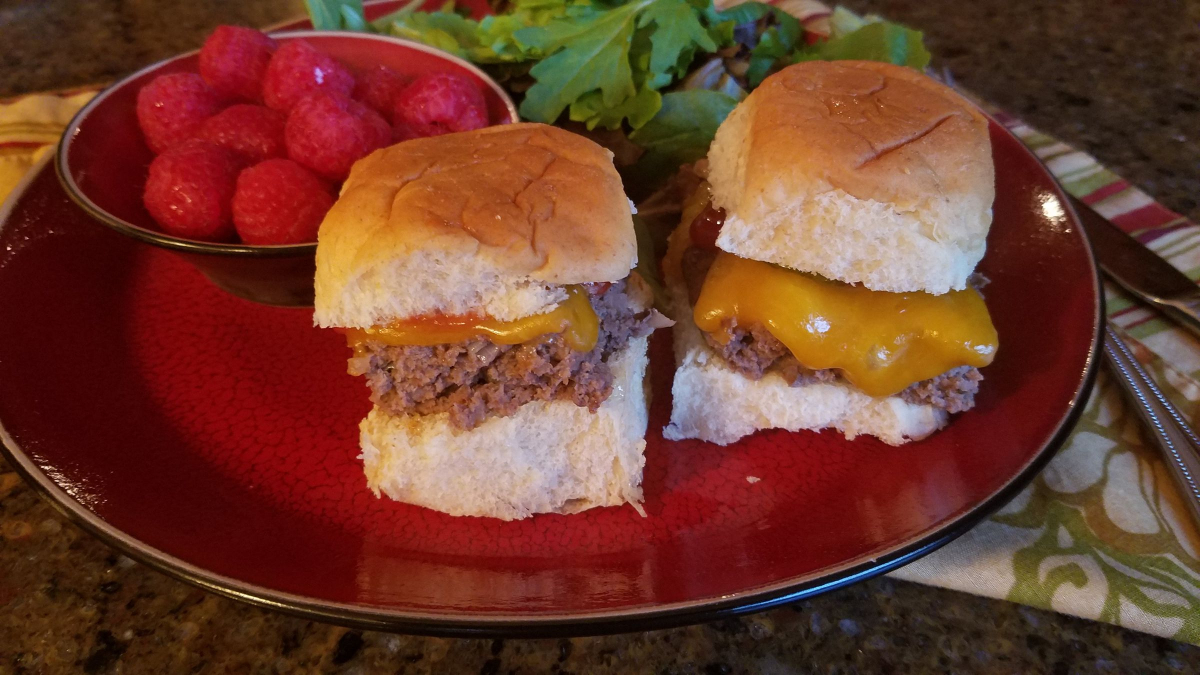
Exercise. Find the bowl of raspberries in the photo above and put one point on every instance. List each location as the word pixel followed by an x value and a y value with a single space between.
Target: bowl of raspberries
pixel 230 156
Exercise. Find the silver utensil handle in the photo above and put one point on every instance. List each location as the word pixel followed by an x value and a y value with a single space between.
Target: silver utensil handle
pixel 1170 429
pixel 1185 311
pixel 1175 437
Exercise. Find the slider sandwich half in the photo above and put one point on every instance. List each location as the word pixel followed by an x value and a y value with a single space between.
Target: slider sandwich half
pixel 823 275
pixel 483 281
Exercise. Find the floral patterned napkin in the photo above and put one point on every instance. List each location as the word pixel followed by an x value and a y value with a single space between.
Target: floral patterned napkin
pixel 1101 533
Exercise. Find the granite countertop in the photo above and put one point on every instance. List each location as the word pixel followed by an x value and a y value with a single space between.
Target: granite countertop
pixel 1118 80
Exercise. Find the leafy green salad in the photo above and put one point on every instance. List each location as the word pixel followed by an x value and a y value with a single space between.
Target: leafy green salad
pixel 663 73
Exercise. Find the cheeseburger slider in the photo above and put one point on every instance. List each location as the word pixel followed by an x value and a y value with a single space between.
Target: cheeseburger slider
pixel 483 281
pixel 823 274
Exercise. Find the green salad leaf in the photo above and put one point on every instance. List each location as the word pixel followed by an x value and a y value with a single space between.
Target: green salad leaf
pixel 776 43
pixel 352 17
pixel 774 46
pixel 680 133
pixel 604 62
pixel 678 35
pixel 686 117
pixel 743 12
pixel 612 63
pixel 445 30
pixel 538 12
pixel 647 263
pixel 611 57
pixel 842 21
pixel 873 41
pixel 336 14
pixel 487 41
pixel 638 109
pixel 587 50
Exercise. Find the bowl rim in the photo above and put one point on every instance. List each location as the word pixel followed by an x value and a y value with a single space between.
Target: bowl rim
pixel 163 240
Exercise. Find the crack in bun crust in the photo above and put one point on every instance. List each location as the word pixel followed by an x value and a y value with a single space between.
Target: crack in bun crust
pixel 859 171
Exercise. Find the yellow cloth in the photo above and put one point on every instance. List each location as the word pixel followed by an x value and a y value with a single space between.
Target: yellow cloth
pixel 30 128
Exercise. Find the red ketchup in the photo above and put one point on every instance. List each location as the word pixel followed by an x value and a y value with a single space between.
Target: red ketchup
pixel 706 226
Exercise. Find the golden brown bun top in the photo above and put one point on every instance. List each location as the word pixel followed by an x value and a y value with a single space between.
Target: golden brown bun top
pixel 880 130
pixel 867 172
pixel 525 200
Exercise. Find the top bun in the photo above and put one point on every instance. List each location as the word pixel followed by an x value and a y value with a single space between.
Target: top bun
pixel 858 171
pixel 491 221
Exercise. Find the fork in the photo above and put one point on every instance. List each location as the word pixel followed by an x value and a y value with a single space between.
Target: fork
pixel 1176 438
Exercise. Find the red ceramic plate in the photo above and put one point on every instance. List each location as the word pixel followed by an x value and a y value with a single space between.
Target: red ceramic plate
pixel 215 439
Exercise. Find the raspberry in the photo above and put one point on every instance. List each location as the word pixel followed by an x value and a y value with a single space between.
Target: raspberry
pixel 234 59
pixel 189 190
pixel 439 104
pixel 328 134
pixel 252 131
pixel 171 108
pixel 297 70
pixel 378 87
pixel 279 202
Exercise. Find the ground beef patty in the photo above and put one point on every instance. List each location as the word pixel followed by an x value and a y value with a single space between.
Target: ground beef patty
pixel 477 379
pixel 953 391
pixel 752 351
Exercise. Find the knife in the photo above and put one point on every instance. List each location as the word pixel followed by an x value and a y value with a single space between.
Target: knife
pixel 1139 270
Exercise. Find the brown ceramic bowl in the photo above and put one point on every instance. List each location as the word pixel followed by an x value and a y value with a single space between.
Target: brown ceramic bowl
pixel 102 163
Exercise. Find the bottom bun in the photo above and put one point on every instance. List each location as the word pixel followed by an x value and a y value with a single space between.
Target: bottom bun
pixel 715 403
pixel 548 457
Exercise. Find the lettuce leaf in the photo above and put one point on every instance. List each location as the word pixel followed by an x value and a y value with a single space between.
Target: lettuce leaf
pixel 874 41
pixel 588 50
pixel 487 41
pixel 776 43
pixel 538 12
pixel 647 263
pixel 616 53
pixel 680 133
pixel 744 12
pixel 336 14
pixel 608 62
pixel 774 46
pixel 842 21
pixel 638 109
pixel 447 31
pixel 678 35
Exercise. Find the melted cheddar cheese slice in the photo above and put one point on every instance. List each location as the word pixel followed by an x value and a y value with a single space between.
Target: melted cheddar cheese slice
pixel 574 318
pixel 881 342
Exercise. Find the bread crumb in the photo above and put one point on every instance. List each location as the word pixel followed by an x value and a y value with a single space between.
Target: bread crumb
pixel 752 479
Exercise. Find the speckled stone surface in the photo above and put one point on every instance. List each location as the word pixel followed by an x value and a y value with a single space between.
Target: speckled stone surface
pixel 1119 80
pixel 68 603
